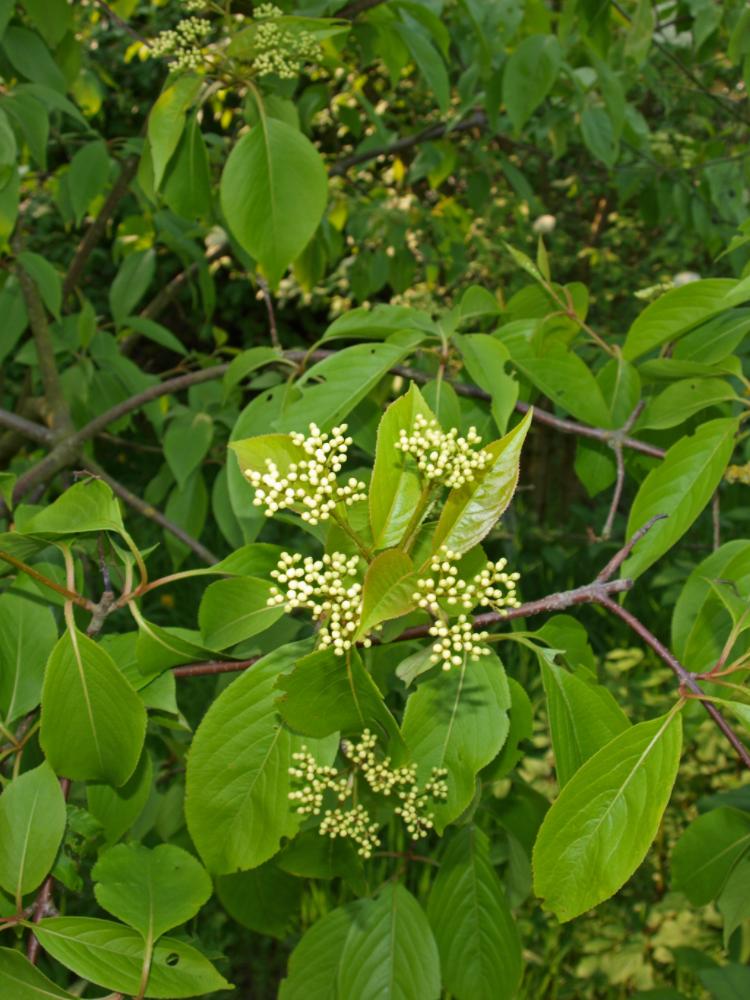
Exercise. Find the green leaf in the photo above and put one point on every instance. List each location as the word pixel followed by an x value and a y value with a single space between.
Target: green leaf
pixel 471 511
pixel 530 74
pixel 599 135
pixel 675 313
pixel 477 938
pixel 395 486
pixel 117 809
pixel 166 121
pixel 27 635
pixel 713 341
pixel 326 693
pixel 486 359
pixel 265 900
pixel 333 387
pixel 700 623
pixel 237 802
pixel 46 279
pixel 186 444
pixel 388 590
pixel 131 283
pixel 315 962
pixel 429 62
pixel 706 853
pixel 32 823
pixel 111 955
pixel 642 25
pixel 30 57
pixel 378 323
pixel 583 718
pixel 188 508
pixel 32 118
pixel 85 694
pixel 680 487
pixel 187 182
pixel 728 982
pixel 234 610
pixel 734 901
pixel 20 980
pixel 151 890
pixel 156 332
pixel 390 951
pixel 566 379
pixel 600 827
pixel 274 190
pixel 682 399
pixel 51 18
pixel 247 362
pixel 87 506
pixel 458 719
pixel 87 177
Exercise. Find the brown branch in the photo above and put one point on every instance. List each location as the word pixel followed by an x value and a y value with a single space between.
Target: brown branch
pixel 619 557
pixel 82 602
pixel 152 513
pixel 120 22
pixel 685 678
pixel 616 445
pixel 27 428
pixel 45 351
pixel 211 667
pixel 43 902
pixel 96 230
pixel 266 293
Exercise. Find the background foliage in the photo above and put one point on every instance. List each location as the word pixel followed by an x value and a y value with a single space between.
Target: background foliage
pixel 295 215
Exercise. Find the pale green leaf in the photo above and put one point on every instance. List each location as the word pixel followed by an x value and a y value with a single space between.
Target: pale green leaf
pixel 32 823
pixel 682 400
pixel 388 589
pixel 234 610
pixel 315 962
pixel 151 890
pixel 166 121
pixel 20 980
pixel 111 955
pixel 600 827
pixel 472 510
pixel 274 190
pixel 395 486
pixel 27 635
pixel 486 359
pixel 117 809
pixel 93 722
pixel 87 506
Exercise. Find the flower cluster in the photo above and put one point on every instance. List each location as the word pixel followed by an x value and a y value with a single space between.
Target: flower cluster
pixel 354 821
pixel 328 588
pixel 277 49
pixel 183 45
pixel 492 587
pixel 456 641
pixel 443 456
pixel 738 474
pixel 309 486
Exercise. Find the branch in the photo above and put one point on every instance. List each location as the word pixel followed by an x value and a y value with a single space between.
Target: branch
pixel 116 19
pixel 478 119
pixel 96 230
pixel 45 351
pixel 28 428
pixel 152 513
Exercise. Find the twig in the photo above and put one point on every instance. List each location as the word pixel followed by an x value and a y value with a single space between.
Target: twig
pixel 45 351
pixel 28 428
pixel 615 444
pixel 685 678
pixel 619 557
pixel 478 119
pixel 43 901
pixel 266 293
pixel 96 230
pixel 69 595
pixel 115 17
pixel 212 667
pixel 147 510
